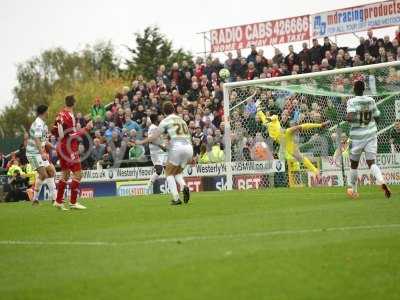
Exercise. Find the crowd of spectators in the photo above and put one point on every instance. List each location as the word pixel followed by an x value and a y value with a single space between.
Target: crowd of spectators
pixel 196 91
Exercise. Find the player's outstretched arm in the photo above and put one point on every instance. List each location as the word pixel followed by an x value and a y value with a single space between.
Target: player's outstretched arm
pixel 262 117
pixel 154 136
pixel 308 126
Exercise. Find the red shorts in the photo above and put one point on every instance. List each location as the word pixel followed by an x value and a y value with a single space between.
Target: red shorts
pixel 69 161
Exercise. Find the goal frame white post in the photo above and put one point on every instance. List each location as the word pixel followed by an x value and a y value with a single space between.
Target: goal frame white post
pixel 228 86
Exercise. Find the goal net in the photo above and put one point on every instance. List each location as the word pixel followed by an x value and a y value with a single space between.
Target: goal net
pixel 305 99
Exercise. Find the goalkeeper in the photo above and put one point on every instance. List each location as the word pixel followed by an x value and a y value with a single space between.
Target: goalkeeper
pixel 285 137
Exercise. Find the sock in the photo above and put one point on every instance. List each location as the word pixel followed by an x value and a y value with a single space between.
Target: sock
pixel 354 179
pixel 52 187
pixel 60 191
pixel 37 188
pixel 172 187
pixel 310 166
pixel 154 177
pixel 377 174
pixel 307 126
pixel 179 179
pixel 74 190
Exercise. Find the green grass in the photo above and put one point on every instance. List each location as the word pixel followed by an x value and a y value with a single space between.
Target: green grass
pixel 271 244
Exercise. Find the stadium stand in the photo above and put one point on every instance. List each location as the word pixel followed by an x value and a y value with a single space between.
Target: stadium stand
pixel 197 95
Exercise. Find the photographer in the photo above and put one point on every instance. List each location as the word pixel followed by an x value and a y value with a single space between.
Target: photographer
pixel 17 186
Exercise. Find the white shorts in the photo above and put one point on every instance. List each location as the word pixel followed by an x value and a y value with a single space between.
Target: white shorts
pixel 180 154
pixel 369 146
pixel 158 159
pixel 36 161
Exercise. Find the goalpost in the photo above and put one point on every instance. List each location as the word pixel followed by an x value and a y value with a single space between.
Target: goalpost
pixel 307 98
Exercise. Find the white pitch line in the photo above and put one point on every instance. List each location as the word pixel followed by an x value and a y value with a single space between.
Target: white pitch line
pixel 199 237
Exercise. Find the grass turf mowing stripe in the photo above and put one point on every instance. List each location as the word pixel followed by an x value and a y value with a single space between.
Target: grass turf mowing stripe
pixel 199 238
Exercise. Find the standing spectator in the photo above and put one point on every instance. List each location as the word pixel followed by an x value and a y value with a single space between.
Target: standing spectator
pixel 292 58
pixel 361 48
pixel 185 83
pixel 304 55
pixel 272 108
pixel 316 52
pixel 259 65
pixel 395 137
pixel 327 45
pixel 176 74
pixel 253 53
pixel 278 57
pixel 229 62
pixel 97 110
pixel 3 163
pixel 236 64
pixel 373 47
pixel 242 68
pixel 370 36
pixel 22 151
pixel 185 67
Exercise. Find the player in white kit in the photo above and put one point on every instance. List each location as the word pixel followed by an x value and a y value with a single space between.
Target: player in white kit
pixel 157 151
pixel 37 156
pixel 362 114
pixel 180 151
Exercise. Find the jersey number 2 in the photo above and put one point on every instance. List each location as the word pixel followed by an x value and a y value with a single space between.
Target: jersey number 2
pixel 181 128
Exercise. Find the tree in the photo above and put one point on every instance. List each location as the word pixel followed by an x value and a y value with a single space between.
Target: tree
pixel 56 72
pixel 152 50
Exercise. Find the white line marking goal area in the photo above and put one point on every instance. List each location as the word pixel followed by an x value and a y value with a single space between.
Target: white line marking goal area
pixel 198 237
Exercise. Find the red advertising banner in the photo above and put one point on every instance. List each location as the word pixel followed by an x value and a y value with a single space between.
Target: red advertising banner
pixel 267 33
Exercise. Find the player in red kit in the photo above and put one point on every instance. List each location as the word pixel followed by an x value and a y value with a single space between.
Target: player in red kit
pixel 67 150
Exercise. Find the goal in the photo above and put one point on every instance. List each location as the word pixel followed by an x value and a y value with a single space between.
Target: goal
pixel 303 99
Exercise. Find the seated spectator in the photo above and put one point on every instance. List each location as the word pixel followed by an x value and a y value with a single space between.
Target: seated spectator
pixel 203 155
pixel 98 150
pixel 382 57
pixel 130 124
pixel 108 158
pixel 98 110
pixel 98 123
pixel 119 118
pixel 108 134
pixel 86 159
pixel 369 59
pixel 216 155
pixel 250 107
pixel 115 105
pixel 80 119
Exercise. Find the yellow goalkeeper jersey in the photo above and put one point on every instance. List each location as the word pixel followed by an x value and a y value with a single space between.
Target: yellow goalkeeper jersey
pixel 273 125
pixel 278 134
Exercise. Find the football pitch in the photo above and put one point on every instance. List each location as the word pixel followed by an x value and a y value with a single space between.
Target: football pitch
pixel 269 244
